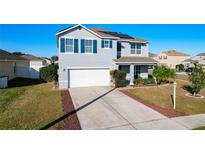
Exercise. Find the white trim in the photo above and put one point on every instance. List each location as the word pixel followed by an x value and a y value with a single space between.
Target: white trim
pixel 85 29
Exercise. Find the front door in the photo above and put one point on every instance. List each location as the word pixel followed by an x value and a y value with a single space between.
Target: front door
pixel 137 70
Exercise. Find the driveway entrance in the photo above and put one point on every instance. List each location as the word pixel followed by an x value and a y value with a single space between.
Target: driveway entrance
pixel 107 108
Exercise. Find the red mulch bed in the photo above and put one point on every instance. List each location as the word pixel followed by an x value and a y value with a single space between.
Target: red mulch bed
pixel 166 112
pixel 71 122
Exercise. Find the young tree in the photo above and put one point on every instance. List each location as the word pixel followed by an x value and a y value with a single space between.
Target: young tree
pixel 197 78
pixel 180 67
pixel 162 73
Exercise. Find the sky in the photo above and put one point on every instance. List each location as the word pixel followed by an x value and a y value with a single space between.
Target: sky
pixel 40 39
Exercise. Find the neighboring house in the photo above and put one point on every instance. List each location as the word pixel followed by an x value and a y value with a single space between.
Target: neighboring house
pixel 171 58
pixel 86 56
pixel 47 61
pixel 34 65
pixel 9 64
pixel 26 66
pixel 199 58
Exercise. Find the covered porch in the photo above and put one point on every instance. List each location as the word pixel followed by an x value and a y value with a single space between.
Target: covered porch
pixel 135 67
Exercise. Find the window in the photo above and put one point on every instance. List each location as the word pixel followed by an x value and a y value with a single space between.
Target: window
pixel 165 57
pixel 69 45
pixel 160 57
pixel 107 43
pixel 88 46
pixel 136 48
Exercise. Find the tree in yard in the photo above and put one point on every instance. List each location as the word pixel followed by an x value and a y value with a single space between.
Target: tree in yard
pixel 119 78
pixel 162 73
pixel 197 78
pixel 180 67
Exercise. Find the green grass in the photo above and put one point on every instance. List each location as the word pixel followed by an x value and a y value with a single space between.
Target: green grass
pixel 162 97
pixel 200 128
pixel 29 104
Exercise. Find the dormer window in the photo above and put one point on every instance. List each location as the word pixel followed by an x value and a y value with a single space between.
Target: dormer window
pixel 136 48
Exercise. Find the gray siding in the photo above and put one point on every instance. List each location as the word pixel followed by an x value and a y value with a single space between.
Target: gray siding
pixel 126 50
pixel 103 58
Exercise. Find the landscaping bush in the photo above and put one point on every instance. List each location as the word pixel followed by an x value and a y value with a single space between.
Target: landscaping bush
pixel 180 67
pixel 162 73
pixel 118 77
pixel 49 73
pixel 197 78
pixel 144 81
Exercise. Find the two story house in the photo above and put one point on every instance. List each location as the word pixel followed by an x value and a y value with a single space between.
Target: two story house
pixel 86 56
pixel 171 58
pixel 199 58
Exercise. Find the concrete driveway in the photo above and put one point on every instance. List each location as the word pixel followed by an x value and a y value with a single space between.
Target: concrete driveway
pixel 107 108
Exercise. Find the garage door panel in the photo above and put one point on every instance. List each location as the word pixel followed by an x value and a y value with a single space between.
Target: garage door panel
pixel 88 77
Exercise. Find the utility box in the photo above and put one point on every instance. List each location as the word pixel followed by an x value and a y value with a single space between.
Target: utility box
pixel 3 81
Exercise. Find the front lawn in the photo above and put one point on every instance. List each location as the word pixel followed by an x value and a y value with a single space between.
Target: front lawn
pixel 161 96
pixel 29 104
pixel 200 128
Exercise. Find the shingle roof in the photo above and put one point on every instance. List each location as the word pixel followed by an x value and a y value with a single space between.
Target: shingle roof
pixel 174 53
pixel 4 55
pixel 152 54
pixel 135 60
pixel 189 60
pixel 31 58
pixel 201 54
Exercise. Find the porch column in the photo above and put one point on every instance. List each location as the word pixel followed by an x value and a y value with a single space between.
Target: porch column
pixel 131 74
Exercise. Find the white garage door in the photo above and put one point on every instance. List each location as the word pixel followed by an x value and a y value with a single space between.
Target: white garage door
pixel 88 77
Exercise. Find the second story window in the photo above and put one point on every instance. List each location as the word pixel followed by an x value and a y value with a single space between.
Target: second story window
pixel 164 57
pixel 136 48
pixel 88 46
pixel 69 45
pixel 160 57
pixel 107 44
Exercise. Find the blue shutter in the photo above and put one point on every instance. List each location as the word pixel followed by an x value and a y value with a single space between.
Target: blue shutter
pixel 62 45
pixel 75 45
pixel 82 46
pixel 102 44
pixel 110 43
pixel 94 46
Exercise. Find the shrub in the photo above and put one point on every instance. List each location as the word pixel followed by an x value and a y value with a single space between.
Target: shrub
pixel 49 73
pixel 118 77
pixel 180 67
pixel 197 78
pixel 144 81
pixel 162 73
